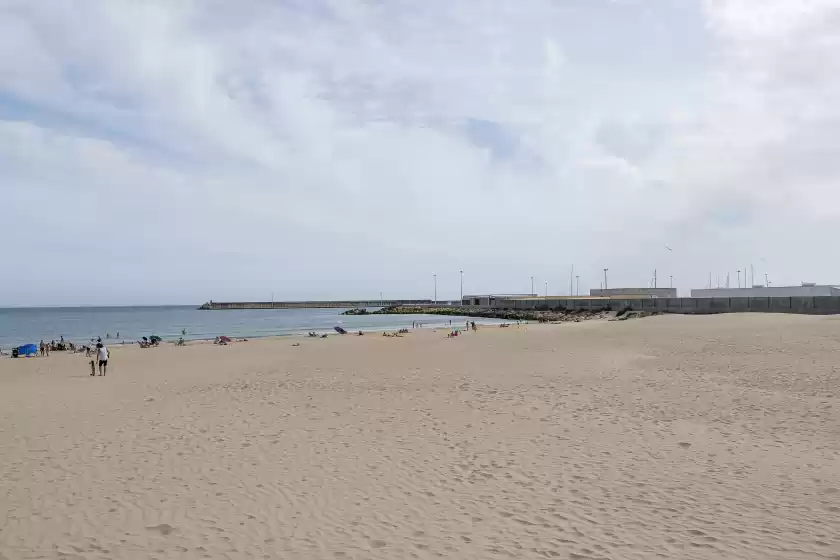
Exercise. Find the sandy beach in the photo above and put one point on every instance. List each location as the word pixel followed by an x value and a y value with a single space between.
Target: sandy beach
pixel 666 437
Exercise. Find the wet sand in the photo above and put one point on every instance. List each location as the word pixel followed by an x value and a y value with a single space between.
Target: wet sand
pixel 666 437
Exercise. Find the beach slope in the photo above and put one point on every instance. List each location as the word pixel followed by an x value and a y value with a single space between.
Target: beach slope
pixel 667 437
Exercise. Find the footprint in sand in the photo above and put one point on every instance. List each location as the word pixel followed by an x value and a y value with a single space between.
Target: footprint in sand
pixel 163 529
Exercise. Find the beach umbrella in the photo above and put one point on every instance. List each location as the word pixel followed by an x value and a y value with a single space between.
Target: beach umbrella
pixel 155 338
pixel 224 339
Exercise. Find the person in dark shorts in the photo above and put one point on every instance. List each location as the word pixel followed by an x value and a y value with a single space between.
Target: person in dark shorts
pixel 102 355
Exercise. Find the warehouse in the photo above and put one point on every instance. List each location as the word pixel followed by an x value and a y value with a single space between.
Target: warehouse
pixel 488 300
pixel 634 292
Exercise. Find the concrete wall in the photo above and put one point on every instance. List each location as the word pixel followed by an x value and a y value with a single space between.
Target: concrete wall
pixel 820 305
pixel 772 291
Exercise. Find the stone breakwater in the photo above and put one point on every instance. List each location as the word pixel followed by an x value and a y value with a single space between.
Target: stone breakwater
pixel 540 316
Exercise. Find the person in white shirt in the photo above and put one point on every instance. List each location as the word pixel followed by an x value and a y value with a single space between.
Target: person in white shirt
pixel 102 357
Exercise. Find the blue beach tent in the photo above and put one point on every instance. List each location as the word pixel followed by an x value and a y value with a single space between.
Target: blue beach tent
pixel 28 350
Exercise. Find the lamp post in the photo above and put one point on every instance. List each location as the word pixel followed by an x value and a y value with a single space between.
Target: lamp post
pixel 605 278
pixel 571 281
pixel 578 285
pixel 462 286
pixel 434 276
pixel 532 286
pixel 546 288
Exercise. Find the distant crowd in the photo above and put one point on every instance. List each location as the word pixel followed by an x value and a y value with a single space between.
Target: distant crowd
pixel 44 348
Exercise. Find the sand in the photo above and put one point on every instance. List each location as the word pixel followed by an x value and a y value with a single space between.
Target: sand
pixel 667 437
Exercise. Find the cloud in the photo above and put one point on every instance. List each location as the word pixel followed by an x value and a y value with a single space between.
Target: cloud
pixel 338 149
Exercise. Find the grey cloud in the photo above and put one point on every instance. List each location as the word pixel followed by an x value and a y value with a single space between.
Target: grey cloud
pixel 334 149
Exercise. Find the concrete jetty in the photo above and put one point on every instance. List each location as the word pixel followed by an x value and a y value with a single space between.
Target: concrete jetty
pixel 227 305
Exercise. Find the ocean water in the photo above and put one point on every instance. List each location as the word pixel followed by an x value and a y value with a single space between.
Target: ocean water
pixel 79 324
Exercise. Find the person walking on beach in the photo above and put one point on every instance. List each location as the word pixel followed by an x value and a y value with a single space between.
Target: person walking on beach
pixel 102 357
pixel 43 351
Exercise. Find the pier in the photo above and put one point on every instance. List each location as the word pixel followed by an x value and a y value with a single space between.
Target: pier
pixel 219 305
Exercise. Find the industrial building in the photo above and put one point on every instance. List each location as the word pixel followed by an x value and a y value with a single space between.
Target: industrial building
pixel 634 292
pixel 805 290
pixel 490 299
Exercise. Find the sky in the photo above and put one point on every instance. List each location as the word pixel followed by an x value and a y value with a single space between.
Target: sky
pixel 178 151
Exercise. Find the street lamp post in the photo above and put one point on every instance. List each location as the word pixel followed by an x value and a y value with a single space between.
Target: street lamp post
pixel 578 285
pixel 462 286
pixel 434 276
pixel 571 281
pixel 605 278
pixel 532 286
pixel 546 288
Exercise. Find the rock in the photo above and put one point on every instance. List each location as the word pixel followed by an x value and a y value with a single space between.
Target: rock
pixel 357 311
pixel 544 315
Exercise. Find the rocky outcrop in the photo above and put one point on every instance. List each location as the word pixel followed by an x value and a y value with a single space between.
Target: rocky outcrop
pixel 540 316
pixel 357 311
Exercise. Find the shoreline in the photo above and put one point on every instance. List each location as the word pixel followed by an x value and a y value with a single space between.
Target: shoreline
pixel 249 327
pixel 331 332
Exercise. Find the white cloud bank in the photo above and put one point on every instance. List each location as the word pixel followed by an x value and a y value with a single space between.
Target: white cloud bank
pixel 178 151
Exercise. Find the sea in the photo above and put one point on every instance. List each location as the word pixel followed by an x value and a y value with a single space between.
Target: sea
pixel 128 324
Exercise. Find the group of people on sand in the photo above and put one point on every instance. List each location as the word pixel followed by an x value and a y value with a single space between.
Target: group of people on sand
pixel 45 348
pixel 397 334
pixel 225 340
pixel 457 332
pixel 97 350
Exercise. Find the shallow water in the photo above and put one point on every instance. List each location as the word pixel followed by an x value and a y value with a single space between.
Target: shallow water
pixel 79 324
